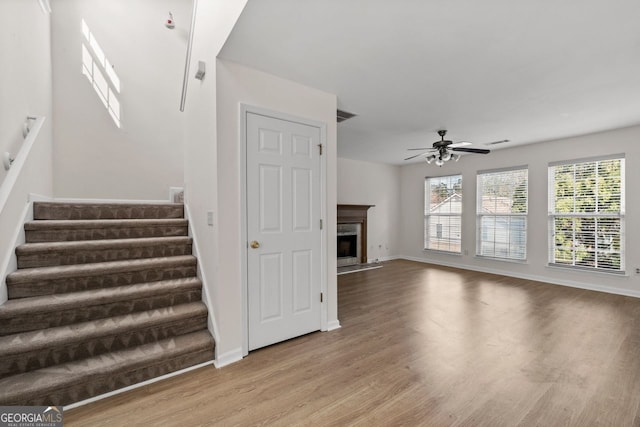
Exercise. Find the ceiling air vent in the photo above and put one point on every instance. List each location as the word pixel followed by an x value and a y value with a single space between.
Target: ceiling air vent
pixel 343 115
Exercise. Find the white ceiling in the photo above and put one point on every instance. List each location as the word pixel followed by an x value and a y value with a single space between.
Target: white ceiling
pixel 527 70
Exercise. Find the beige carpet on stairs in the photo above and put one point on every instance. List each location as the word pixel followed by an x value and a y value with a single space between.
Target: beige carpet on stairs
pixel 105 296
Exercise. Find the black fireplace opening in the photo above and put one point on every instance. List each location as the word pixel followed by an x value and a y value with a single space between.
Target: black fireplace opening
pixel 347 246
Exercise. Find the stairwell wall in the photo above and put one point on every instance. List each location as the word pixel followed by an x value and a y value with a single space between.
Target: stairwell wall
pixel 214 22
pixel 93 157
pixel 25 90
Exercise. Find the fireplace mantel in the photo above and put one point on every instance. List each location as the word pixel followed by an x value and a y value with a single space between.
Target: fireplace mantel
pixel 356 214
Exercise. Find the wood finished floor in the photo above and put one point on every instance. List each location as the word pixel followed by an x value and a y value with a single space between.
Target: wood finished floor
pixel 420 345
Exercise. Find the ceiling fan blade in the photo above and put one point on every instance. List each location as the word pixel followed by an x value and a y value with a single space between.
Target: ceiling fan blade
pixel 428 148
pixel 502 141
pixel 413 157
pixel 472 150
pixel 459 144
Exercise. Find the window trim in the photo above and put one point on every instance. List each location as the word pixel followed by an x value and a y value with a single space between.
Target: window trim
pixel 552 215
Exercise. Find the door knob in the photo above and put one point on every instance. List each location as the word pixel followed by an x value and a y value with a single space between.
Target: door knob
pixel 255 244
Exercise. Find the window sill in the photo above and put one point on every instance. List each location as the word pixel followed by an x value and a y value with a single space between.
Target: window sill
pixel 490 258
pixel 570 268
pixel 437 251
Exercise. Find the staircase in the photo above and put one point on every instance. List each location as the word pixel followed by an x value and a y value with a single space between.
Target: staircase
pixel 105 296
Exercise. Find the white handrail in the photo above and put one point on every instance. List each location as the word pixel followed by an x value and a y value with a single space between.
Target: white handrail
pixel 185 79
pixel 6 187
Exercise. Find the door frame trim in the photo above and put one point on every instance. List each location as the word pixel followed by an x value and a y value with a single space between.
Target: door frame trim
pixel 324 306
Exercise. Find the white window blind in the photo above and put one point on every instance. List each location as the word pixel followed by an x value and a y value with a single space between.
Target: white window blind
pixel 443 213
pixel 586 214
pixel 502 209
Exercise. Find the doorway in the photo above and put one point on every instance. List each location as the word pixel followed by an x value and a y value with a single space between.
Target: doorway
pixel 283 206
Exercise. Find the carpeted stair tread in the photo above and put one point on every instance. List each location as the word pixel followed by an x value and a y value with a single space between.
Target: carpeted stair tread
pixel 80 211
pixel 62 230
pixel 37 349
pixel 31 255
pixel 72 278
pixel 106 295
pixel 27 314
pixel 78 380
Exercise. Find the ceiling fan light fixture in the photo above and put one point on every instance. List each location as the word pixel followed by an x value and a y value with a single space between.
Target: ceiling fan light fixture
pixel 445 150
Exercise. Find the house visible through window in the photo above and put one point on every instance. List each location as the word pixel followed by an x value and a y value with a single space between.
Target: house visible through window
pixel 586 214
pixel 502 214
pixel 94 66
pixel 443 213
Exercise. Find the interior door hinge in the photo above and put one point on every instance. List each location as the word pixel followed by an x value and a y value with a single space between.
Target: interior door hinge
pixel 321 297
pixel 321 224
pixel 320 146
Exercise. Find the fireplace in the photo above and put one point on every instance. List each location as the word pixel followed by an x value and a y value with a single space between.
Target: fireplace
pixel 352 234
pixel 349 242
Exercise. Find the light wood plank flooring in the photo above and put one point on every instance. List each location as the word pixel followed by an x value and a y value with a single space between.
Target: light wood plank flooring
pixel 420 345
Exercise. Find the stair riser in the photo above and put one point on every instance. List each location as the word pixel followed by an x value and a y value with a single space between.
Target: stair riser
pixel 48 258
pixel 35 321
pixel 57 350
pixel 98 345
pixel 81 211
pixel 105 384
pixel 109 280
pixel 61 235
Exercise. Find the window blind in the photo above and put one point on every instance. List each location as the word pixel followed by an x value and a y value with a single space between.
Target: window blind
pixel 502 208
pixel 586 214
pixel 443 213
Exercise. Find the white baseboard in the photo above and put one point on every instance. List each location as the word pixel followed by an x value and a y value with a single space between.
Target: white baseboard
pixel 138 385
pixel 228 358
pixel 206 295
pixel 114 201
pixel 333 325
pixel 33 197
pixel 543 279
pixel 389 258
pixel 10 262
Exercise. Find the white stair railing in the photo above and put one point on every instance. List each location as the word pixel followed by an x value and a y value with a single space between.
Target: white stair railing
pixel 14 165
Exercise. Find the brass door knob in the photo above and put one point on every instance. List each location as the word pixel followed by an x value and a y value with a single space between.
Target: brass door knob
pixel 255 244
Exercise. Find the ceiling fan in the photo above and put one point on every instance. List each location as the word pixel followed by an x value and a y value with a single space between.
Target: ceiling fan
pixel 441 151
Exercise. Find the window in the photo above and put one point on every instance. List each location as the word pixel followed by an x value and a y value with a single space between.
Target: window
pixel 502 214
pixel 586 214
pixel 443 213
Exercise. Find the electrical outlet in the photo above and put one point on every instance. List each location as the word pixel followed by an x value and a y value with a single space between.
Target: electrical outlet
pixel 638 271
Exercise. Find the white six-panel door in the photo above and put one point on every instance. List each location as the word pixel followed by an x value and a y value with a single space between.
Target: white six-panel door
pixel 283 229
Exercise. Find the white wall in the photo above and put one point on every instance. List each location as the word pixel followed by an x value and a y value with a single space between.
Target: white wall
pixel 25 89
pixel 25 73
pixel 238 84
pixel 144 158
pixel 214 22
pixel 537 158
pixel 365 183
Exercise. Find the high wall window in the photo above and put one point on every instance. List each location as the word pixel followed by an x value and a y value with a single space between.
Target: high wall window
pixel 443 213
pixel 94 66
pixel 502 208
pixel 586 214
